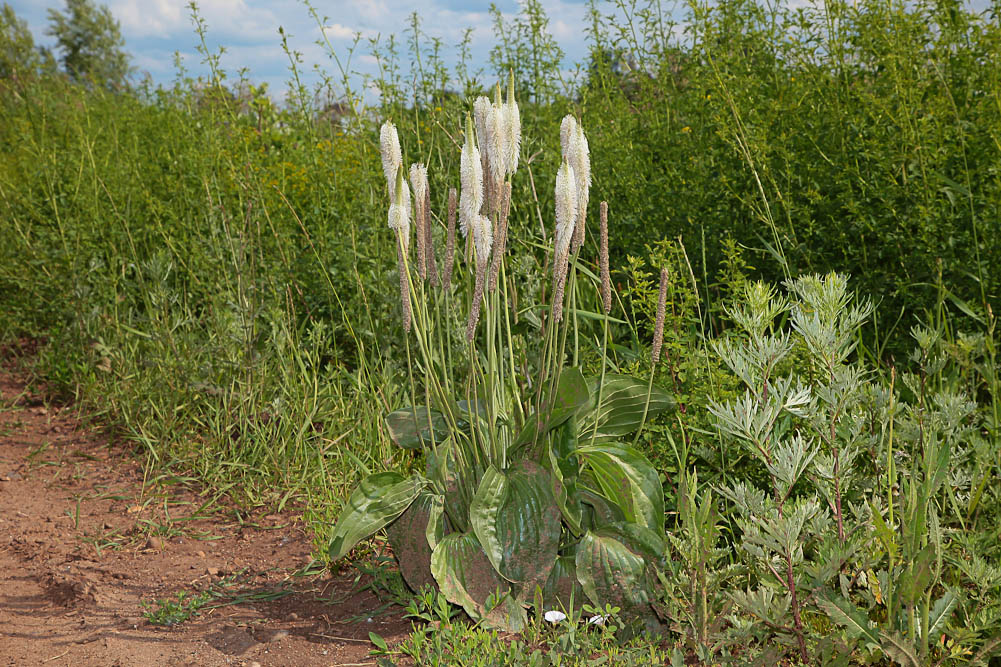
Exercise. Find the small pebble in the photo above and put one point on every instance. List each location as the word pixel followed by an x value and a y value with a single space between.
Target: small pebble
pixel 155 542
pixel 213 571
pixel 293 616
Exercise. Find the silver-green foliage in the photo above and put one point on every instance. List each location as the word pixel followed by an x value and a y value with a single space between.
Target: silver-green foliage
pixel 846 517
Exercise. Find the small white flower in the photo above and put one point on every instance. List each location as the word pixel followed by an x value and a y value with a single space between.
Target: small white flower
pixel 597 619
pixel 555 616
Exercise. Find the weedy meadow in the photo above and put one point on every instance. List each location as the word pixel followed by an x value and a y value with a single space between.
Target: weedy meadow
pixel 686 355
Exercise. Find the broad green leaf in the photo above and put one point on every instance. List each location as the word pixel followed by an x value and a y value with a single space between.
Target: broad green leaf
pixel 611 573
pixel 490 495
pixel 408 535
pixel 941 611
pixel 471 412
pixel 562 591
pixel 563 450
pixel 411 428
pixel 846 614
pixel 640 540
pixel 504 613
pixel 457 482
pixel 469 407
pixel 887 537
pixel 597 511
pixel 571 397
pixel 629 480
pixel 900 650
pixel 917 575
pixel 379 499
pixel 565 467
pixel 464 574
pixel 436 528
pixel 379 642
pixel 517 521
pixel 621 411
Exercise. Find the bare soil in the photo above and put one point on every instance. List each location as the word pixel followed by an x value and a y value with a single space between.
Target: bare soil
pixel 84 543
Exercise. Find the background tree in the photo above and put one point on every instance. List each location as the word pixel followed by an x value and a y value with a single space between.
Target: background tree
pixel 18 54
pixel 90 42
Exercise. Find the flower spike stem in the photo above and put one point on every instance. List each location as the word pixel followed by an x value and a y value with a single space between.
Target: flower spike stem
pixel 658 341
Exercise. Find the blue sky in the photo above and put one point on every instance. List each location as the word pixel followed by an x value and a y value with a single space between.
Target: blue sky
pixel 155 29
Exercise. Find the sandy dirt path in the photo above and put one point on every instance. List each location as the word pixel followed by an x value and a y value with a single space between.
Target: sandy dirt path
pixel 80 554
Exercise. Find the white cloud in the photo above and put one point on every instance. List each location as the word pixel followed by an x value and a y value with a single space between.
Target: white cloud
pixel 378 10
pixel 339 31
pixel 152 18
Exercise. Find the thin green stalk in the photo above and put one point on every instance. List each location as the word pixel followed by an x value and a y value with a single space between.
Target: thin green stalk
pixel 519 417
pixel 646 404
pixel 601 379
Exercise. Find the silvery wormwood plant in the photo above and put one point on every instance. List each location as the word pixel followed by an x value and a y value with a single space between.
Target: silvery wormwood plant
pixel 804 421
pixel 846 522
pixel 530 496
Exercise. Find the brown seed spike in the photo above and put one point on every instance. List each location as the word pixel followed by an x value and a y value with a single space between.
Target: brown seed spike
pixel 578 232
pixel 450 241
pixel 474 311
pixel 404 289
pixel 421 239
pixel 501 240
pixel 606 280
pixel 432 264
pixel 658 327
pixel 559 289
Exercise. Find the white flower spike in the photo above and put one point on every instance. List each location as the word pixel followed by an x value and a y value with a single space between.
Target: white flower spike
pixel 399 210
pixel 471 181
pixel 483 239
pixel 577 152
pixel 566 211
pixel 512 120
pixel 392 157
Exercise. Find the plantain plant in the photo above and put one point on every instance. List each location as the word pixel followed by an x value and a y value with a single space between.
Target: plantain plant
pixel 530 496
